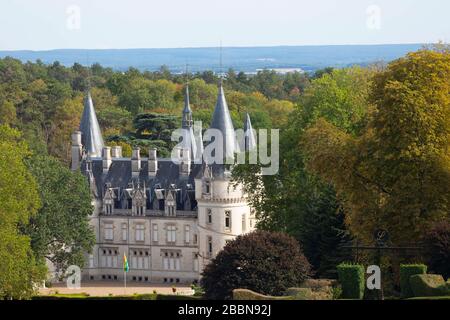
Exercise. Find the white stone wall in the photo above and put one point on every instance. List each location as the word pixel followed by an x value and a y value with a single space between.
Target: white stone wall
pixel 149 270
pixel 167 261
pixel 224 198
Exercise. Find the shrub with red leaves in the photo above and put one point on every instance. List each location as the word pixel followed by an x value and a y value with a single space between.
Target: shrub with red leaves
pixel 265 262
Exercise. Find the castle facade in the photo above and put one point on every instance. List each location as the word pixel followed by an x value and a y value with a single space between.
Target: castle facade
pixel 170 218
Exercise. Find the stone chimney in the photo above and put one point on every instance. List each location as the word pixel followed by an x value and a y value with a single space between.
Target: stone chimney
pixel 116 151
pixel 185 162
pixel 152 162
pixel 136 162
pixel 76 150
pixel 106 159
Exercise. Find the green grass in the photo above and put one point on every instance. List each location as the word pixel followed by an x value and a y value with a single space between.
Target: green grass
pixel 84 296
pixel 430 298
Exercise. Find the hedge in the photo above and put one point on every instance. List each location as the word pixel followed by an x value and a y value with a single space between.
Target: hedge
pixel 429 285
pixel 145 296
pixel 245 294
pixel 351 277
pixel 406 271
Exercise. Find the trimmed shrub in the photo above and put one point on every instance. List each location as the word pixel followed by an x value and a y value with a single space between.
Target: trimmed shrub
pixel 245 294
pixel 324 293
pixel 262 261
pixel 428 285
pixel 406 271
pixel 351 277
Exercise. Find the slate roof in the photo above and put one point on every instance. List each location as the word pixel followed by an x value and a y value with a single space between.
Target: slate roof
pixel 249 136
pixel 222 121
pixel 120 179
pixel 91 135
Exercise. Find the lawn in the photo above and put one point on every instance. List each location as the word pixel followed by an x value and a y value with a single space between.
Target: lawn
pixel 84 296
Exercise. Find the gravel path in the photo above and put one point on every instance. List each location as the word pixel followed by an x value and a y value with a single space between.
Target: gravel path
pixel 114 288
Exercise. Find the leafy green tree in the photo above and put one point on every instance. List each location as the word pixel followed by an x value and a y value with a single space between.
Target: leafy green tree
pixel 395 174
pixel 60 230
pixel 20 271
pixel 7 113
pixel 265 262
pixel 294 200
pixel 437 248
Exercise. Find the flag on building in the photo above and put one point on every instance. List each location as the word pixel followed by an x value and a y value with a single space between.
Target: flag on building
pixel 125 263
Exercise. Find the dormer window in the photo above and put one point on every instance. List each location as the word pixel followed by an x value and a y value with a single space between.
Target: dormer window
pixel 207 187
pixel 108 209
pixel 171 210
pixel 140 210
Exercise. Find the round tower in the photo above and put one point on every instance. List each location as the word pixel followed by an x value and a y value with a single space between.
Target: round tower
pixel 223 213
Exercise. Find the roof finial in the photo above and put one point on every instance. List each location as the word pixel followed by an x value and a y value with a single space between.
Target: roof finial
pixel 221 65
pixel 88 85
pixel 187 73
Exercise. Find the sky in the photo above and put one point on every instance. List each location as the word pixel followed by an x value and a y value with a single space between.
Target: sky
pixel 109 24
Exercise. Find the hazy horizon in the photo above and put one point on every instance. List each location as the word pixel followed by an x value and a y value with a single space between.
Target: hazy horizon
pixel 225 47
pixel 244 58
pixel 138 24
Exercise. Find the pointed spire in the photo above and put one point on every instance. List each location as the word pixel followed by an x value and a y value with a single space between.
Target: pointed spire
pixel 249 136
pixel 187 112
pixel 222 121
pixel 189 141
pixel 91 136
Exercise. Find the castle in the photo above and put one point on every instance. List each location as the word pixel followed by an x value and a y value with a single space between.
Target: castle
pixel 169 217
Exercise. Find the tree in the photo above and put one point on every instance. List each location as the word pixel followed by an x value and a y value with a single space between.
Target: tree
pixel 437 248
pixel 60 230
pixel 19 270
pixel 262 261
pixel 7 113
pixel 395 174
pixel 295 200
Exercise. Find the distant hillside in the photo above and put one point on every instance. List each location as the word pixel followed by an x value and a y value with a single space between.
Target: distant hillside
pixel 247 59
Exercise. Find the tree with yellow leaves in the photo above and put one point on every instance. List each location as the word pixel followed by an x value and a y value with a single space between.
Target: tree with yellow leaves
pixel 396 173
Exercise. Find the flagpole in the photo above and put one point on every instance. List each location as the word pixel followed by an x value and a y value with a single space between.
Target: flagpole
pixel 125 281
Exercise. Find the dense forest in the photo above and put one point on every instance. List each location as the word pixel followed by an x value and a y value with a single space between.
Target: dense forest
pixel 45 101
pixel 360 149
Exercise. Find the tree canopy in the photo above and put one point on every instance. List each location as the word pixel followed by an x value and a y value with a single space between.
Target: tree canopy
pixel 394 174
pixel 19 268
pixel 262 261
pixel 60 230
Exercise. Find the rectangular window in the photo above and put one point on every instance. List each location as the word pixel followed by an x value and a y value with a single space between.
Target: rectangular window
pixel 209 216
pixel 210 246
pixel 140 232
pixel 195 238
pixel 91 261
pixel 108 209
pixel 228 220
pixel 171 234
pixel 140 259
pixel 109 231
pixel 187 234
pixel 155 233
pixel 244 223
pixel 124 232
pixel 195 262
pixel 171 261
pixel 108 258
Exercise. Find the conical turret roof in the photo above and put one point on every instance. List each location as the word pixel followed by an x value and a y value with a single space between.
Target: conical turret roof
pixel 91 136
pixel 189 141
pixel 222 121
pixel 249 136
